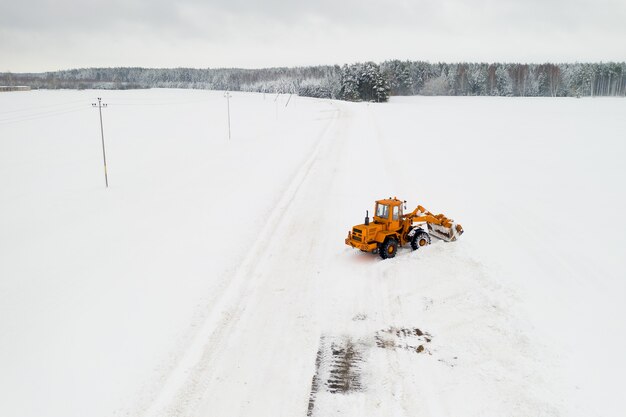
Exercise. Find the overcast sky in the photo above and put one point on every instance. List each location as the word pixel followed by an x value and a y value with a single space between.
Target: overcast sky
pixel 43 35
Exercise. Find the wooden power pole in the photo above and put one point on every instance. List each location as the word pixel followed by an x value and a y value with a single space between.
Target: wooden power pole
pixel 100 105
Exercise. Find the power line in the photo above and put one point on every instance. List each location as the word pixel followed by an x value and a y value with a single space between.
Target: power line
pixel 160 98
pixel 42 107
pixel 24 118
pixel 165 103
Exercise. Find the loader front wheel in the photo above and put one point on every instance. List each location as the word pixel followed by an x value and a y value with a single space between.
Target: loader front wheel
pixel 388 249
pixel 420 239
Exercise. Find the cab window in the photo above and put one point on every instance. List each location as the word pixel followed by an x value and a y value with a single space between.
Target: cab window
pixel 395 212
pixel 382 210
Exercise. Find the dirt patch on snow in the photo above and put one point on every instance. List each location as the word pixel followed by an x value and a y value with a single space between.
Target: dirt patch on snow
pixel 359 317
pixel 412 339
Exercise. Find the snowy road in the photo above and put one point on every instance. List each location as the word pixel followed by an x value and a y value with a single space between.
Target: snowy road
pixel 277 317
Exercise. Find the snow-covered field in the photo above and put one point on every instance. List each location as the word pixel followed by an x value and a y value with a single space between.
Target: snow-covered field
pixel 211 278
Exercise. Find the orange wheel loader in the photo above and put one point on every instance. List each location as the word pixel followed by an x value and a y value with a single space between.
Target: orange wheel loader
pixel 391 229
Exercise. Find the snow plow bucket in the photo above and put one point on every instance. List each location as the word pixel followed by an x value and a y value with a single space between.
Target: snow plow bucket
pixel 447 232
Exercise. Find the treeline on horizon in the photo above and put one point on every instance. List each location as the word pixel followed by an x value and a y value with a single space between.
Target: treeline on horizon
pixel 356 82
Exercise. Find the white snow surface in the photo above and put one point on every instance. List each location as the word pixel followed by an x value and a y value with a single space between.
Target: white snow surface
pixel 211 273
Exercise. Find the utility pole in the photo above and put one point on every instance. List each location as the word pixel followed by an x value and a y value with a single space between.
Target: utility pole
pixel 276 104
pixel 228 96
pixel 100 105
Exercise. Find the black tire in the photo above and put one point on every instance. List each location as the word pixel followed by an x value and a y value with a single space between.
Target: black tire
pixel 420 239
pixel 389 248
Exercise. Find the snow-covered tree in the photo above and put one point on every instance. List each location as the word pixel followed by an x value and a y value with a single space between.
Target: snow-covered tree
pixel 363 82
pixel 349 83
pixel 504 86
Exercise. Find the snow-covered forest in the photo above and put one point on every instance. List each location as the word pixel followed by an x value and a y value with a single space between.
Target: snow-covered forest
pixel 356 82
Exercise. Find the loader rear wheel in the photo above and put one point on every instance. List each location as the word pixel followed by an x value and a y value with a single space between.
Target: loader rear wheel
pixel 388 249
pixel 420 239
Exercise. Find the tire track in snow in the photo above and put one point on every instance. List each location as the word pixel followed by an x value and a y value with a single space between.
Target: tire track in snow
pixel 178 394
pixel 337 368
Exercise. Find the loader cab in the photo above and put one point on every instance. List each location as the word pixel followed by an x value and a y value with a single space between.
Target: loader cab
pixel 388 212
